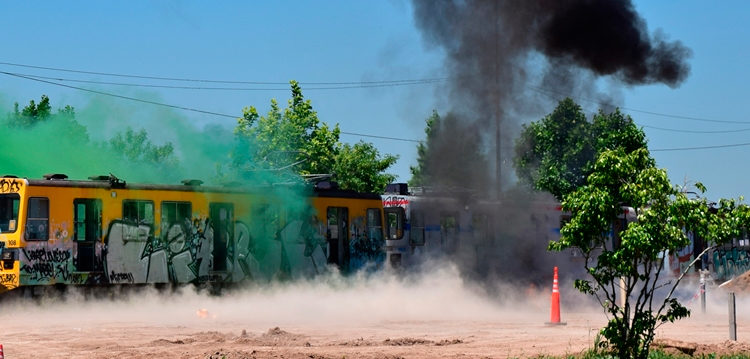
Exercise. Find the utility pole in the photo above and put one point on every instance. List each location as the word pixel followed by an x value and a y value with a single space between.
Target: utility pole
pixel 732 318
pixel 498 135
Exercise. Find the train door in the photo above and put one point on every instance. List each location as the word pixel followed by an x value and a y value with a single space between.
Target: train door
pixel 88 231
pixel 221 216
pixel 338 236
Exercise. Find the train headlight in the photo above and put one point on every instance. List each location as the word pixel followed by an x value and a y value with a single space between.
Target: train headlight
pixel 8 257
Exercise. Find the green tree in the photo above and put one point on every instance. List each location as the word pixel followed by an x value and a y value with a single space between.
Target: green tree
pixel 556 154
pixel 292 137
pixel 451 155
pixel 295 139
pixel 36 113
pixel 33 113
pixel 418 171
pixel 136 147
pixel 364 168
pixel 633 263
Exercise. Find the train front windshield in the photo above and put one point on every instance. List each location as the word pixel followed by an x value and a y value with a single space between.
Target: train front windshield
pixel 9 212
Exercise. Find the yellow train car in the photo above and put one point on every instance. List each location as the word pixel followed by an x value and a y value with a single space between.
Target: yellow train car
pixel 104 231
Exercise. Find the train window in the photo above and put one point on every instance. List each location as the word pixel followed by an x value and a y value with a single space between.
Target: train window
pixel 37 219
pixel 175 213
pixel 416 228
pixel 9 212
pixel 374 224
pixel 87 219
pixel 333 222
pixel 138 211
pixel 395 217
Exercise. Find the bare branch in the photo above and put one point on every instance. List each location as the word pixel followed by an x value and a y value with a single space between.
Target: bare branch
pixel 678 282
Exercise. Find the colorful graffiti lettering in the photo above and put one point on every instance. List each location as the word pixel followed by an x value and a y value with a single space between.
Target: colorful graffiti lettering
pixel 680 260
pixel 184 252
pixel 729 263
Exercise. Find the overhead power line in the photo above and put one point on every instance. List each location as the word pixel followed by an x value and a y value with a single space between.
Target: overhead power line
pixel 333 87
pixel 378 82
pixel 119 96
pixel 553 94
pixel 336 85
pixel 700 147
pixel 696 131
pixel 178 107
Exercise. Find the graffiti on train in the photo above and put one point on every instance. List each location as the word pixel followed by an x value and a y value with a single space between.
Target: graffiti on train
pixel 10 185
pixel 730 262
pixel 366 245
pixel 680 261
pixel 185 252
pixel 46 265
pixel 8 278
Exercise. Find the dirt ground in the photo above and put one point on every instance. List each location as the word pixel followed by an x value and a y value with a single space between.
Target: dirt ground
pixel 376 320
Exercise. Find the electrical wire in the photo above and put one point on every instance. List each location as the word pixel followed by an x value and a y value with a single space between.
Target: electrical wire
pixel 180 107
pixel 337 87
pixel 628 109
pixel 221 81
pixel 692 131
pixel 699 147
pixel 119 96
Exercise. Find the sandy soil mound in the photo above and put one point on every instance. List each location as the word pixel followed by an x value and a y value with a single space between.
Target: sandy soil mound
pixel 698 350
pixel 739 285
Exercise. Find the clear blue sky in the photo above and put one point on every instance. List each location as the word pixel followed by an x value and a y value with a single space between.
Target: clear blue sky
pixel 353 41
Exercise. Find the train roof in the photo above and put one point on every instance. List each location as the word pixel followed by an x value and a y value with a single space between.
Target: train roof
pixel 192 185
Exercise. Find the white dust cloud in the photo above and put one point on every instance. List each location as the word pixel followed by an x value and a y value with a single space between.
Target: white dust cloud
pixel 330 300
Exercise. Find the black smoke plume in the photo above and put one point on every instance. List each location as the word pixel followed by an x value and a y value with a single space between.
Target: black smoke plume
pixel 609 38
pixel 511 61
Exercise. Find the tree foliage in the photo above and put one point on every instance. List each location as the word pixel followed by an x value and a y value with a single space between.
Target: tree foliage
pixel 296 139
pixel 418 172
pixel 557 153
pixel 35 113
pixel 633 261
pixel 136 147
pixel 132 145
pixel 32 113
pixel 451 155
pixel 364 167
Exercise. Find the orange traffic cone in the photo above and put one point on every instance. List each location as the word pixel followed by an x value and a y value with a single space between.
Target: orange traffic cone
pixel 555 307
pixel 2 356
